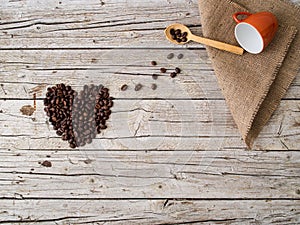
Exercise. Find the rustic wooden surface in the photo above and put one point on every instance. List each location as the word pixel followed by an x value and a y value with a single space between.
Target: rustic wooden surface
pixel 169 156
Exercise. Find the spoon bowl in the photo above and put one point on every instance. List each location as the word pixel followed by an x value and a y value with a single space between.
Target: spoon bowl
pixel 180 34
pixel 182 28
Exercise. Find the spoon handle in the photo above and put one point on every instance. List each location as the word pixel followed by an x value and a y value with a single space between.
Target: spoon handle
pixel 218 45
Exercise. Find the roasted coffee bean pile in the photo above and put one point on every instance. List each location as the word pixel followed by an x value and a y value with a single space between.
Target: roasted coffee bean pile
pixel 77 118
pixel 58 107
pixel 84 115
pixel 178 36
pixel 102 108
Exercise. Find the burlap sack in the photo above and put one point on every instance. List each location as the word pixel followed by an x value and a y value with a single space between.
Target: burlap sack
pixel 252 84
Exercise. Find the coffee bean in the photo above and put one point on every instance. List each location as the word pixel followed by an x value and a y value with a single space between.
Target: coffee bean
pixel 163 70
pixel 46 163
pixel 89 140
pixel 177 70
pixel 153 63
pixel 103 126
pixel 180 56
pixel 153 86
pixel 105 95
pixel 98 130
pixel 72 145
pixel 110 103
pixel 107 113
pixel 124 87
pixel 138 87
pixel 64 137
pixel 184 39
pixel 105 90
pixel 154 76
pixel 172 31
pixel 173 74
pixel 170 56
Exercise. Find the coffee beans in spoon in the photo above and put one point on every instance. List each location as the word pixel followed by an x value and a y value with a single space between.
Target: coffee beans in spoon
pixel 178 36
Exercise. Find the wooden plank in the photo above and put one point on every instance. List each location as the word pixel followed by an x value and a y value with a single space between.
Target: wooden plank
pixel 154 124
pixel 76 24
pixel 165 211
pixel 93 174
pixel 24 72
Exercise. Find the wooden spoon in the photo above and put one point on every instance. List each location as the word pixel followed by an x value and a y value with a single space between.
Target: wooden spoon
pixel 205 41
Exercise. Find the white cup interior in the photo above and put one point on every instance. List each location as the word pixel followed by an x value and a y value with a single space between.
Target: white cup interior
pixel 249 38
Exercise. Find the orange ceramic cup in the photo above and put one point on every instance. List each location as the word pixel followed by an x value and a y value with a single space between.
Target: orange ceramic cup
pixel 256 31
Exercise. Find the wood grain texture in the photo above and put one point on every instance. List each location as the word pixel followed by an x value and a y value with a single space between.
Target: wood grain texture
pixel 169 156
pixel 150 174
pixel 24 72
pixel 165 124
pixel 76 24
pixel 137 211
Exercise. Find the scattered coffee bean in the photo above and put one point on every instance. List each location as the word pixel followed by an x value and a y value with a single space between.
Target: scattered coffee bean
pixel 163 70
pixel 173 74
pixel 154 76
pixel 180 56
pixel 46 163
pixel 153 86
pixel 138 87
pixel 170 56
pixel 177 70
pixel 124 87
pixel 153 63
pixel 178 36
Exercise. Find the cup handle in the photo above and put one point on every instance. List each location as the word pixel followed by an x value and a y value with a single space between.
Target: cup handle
pixel 235 16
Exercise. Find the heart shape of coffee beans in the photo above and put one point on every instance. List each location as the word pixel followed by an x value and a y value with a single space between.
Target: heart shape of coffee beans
pixel 78 117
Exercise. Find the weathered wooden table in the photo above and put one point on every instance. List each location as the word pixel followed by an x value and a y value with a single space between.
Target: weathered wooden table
pixel 170 155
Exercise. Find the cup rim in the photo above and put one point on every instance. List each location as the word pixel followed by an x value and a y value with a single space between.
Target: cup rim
pixel 245 47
